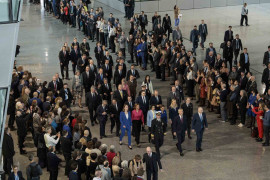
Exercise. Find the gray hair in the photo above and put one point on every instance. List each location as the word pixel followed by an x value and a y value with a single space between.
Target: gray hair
pixel 112 148
pixel 124 164
pixel 103 147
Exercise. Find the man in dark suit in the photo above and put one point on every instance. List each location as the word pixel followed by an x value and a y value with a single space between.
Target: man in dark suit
pixel 244 60
pixel 121 62
pixel 107 70
pixel 199 123
pixel 133 72
pixel 203 32
pixel 98 54
pixel 88 78
pixel 167 24
pixel 21 119
pixel 47 104
pixel 172 64
pixel 100 77
pixel 85 48
pixel 143 20
pixel 266 78
pixel 82 63
pixel 73 13
pixel 53 163
pixel 180 129
pixel 211 48
pixel 107 56
pixel 237 46
pixel 243 81
pixel 130 103
pixel 188 112
pixel 8 150
pixel 228 36
pixel 120 95
pixel 64 61
pixel 228 53
pixel 54 86
pixel 114 116
pixel 266 57
pixel 93 100
pixel 211 59
pixel 173 95
pixel 143 54
pixel 118 76
pixel 143 101
pixel 66 146
pixel 132 84
pixel 156 100
pixel 66 95
pixel 59 81
pixel 102 115
pixel 75 55
pixel 194 39
pixel 152 161
pixel 106 91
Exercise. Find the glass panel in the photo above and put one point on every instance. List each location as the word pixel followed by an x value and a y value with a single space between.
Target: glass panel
pixel 3 97
pixel 15 9
pixel 4 12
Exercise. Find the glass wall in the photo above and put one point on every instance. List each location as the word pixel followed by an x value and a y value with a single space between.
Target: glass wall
pixel 4 10
pixel 9 10
pixel 3 97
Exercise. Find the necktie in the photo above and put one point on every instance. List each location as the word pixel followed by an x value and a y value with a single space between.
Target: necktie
pixel 107 86
pixel 201 117
pixel 54 85
pixel 101 77
pixel 66 94
pixel 157 99
pixel 144 100
pixel 133 72
pixel 121 93
pixel 237 44
pixel 116 107
pixel 181 118
pixel 120 72
pixel 174 94
pixel 130 104
pixel 93 95
pixel 107 67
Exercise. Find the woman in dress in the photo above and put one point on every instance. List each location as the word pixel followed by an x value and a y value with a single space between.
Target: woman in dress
pixel 147 81
pixel 173 112
pixel 126 124
pixel 77 88
pixel 259 111
pixel 137 122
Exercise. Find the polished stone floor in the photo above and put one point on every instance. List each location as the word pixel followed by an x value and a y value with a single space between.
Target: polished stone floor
pixel 229 152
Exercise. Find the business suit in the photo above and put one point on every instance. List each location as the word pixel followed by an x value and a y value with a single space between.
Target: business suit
pixel 152 162
pixel 106 90
pixel 167 25
pixel 180 127
pixel 102 118
pixel 118 76
pixel 143 55
pixel 54 86
pixel 135 73
pixel 242 103
pixel 53 162
pixel 8 152
pixel 115 114
pixel 100 78
pixel 132 88
pixel 237 46
pixel 188 112
pixel 143 21
pixel 66 96
pixel 128 124
pixel 156 100
pixel 181 93
pixel 244 65
pixel 75 55
pixel 66 146
pixel 228 36
pixel 120 99
pixel 88 80
pixel 19 174
pixel 203 33
pixel 81 65
pixel 228 54
pixel 194 38
pixel 124 70
pixel 198 124
pixel 107 70
pixel 266 58
pixel 98 55
pixel 85 48
pixel 46 106
pixel 22 130
pixel 64 61
pixel 172 64
pixel 92 101
pixel 266 79
pixel 243 82
pixel 211 60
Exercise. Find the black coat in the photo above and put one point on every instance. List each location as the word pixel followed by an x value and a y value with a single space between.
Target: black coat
pixel 178 126
pixel 81 65
pixel 21 124
pixel 154 101
pixel 266 58
pixel 12 176
pixel 66 145
pixel 143 106
pixel 119 99
pixel 227 36
pixel 75 56
pixel 101 110
pixel 107 72
pixel 152 163
pixel 64 58
pixel 106 92
pixel 242 103
pixel 118 77
pixel 188 109
pixel 265 76
pixel 136 74
pixel 228 53
pixel 242 60
pixel 114 111
pixel 166 23
pixel 239 45
pixel 8 146
pixel 53 161
pixel 88 81
pixel 62 94
pixel 93 102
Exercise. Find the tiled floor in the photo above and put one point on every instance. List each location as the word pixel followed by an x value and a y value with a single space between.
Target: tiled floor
pixel 229 152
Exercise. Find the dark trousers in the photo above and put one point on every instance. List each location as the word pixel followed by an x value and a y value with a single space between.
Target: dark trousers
pixel 181 139
pixel 53 174
pixel 246 67
pixel 123 51
pixel 92 115
pixel 236 54
pixel 194 47
pixel 151 174
pixel 115 121
pixel 203 38
pixel 11 119
pixel 265 91
pixel 167 29
pixel 230 63
pixel 74 68
pixel 162 68
pixel 158 72
pixel 199 138
pixel 91 33
pixel 64 68
pixel 190 87
pixel 158 139
pixel 67 157
pixel 136 126
pixel 102 124
pixel 21 141
pixel 243 115
pixel 8 162
pixel 101 37
pixel 188 125
pixel 73 20
pixel 132 57
pixel 266 134
pixel 97 34
pixel 112 45
pixel 242 19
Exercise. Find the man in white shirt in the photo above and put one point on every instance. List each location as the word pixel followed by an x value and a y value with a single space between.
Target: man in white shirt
pixel 244 15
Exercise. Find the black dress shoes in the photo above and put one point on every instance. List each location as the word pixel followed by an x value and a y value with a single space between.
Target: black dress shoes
pixel 105 136
pixel 264 144
pixel 259 139
pixel 200 149
pixel 189 137
pixel 197 150
pixel 181 154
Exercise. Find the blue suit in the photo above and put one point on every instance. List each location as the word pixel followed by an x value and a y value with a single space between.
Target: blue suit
pixel 128 124
pixel 143 54
pixel 102 118
pixel 194 38
pixel 198 125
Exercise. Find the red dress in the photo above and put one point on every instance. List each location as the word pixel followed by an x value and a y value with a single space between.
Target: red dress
pixel 202 88
pixel 259 113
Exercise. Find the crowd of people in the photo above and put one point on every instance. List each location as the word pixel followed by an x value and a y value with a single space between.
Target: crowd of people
pixel 110 90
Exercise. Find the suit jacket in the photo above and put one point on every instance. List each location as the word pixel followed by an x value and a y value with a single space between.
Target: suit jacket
pixel 197 124
pixel 66 145
pixel 208 50
pixel 124 121
pixel 119 99
pixel 135 74
pixel 203 32
pixel 243 82
pixel 46 106
pixel 8 146
pixel 154 101
pixel 242 102
pixel 109 58
pixel 81 65
pixel 265 76
pixel 98 54
pixel 107 72
pixel 100 79
pixel 64 58
pixel 91 101
pixel 152 163
pixel 114 111
pixel 194 36
pixel 51 86
pixel 75 56
pixel 240 47
pixel 228 53
pixel 106 92
pixel 130 107
pixel 124 70
pixel 227 36
pixel 143 22
pixel 266 58
pixel 171 96
pixel 12 176
pixel 242 60
pixel 62 94
pixel 53 161
pixel 211 60
pixel 101 110
pixel 118 77
pixel 181 93
pixel 178 126
pixel 21 124
pixel 143 106
pixel 85 48
pixel 188 109
pixel 132 87
pixel 166 23
pixel 88 81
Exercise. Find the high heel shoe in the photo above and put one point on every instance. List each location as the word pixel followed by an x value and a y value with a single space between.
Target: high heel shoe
pixel 120 143
pixel 129 147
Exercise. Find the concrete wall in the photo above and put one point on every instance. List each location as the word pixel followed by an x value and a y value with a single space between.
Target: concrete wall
pixel 167 5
